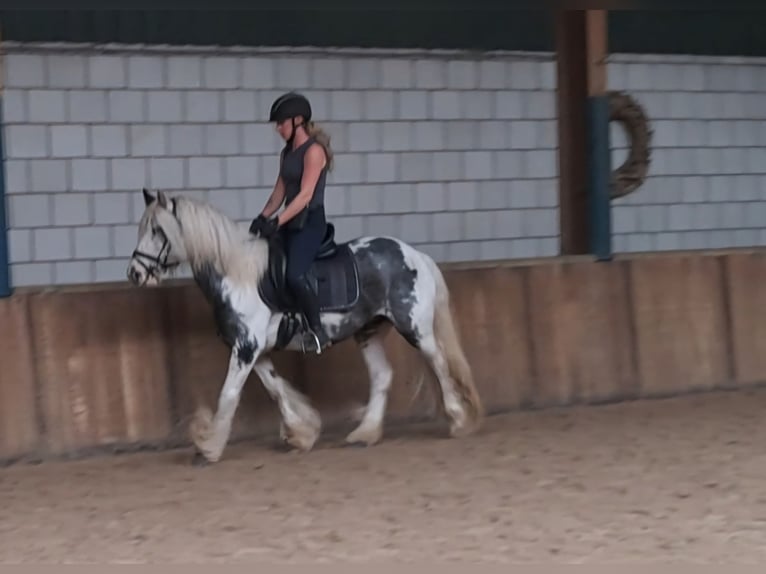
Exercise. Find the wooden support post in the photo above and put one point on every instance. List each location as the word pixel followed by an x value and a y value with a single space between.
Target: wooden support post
pixel 581 50
pixel 597 51
pixel 570 94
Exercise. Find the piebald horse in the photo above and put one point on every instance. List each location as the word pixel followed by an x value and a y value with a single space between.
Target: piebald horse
pixel 365 285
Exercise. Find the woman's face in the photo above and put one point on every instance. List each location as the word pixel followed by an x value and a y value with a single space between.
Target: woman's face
pixel 285 127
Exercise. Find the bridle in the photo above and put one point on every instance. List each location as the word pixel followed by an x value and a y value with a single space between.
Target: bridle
pixel 156 264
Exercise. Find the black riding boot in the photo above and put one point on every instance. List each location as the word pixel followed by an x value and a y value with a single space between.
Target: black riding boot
pixel 309 303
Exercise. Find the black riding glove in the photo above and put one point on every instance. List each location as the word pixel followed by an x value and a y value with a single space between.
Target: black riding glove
pixel 268 227
pixel 258 223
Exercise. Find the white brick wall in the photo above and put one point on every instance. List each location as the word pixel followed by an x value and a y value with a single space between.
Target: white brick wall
pixel 451 152
pixel 454 155
pixel 707 187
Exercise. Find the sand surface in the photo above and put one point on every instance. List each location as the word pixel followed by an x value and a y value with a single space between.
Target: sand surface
pixel 680 479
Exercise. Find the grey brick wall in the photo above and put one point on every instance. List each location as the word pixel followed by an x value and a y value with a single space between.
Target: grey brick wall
pixel 452 152
pixel 456 155
pixel 707 187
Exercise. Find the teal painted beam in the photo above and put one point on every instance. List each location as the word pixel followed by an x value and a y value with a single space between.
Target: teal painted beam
pixel 599 172
pixel 5 270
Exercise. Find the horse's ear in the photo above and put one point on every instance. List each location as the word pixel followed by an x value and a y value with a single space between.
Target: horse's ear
pixel 162 198
pixel 148 197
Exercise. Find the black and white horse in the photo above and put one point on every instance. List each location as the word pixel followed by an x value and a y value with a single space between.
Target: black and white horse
pixel 365 286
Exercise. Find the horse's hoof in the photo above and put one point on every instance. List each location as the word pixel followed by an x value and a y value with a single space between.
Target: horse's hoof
pixel 355 444
pixel 199 460
pixel 282 446
pixel 364 437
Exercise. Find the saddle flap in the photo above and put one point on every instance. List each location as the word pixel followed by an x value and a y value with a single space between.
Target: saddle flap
pixel 336 279
pixel 333 276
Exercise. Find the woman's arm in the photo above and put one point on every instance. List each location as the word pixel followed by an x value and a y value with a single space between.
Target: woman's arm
pixel 275 199
pixel 313 162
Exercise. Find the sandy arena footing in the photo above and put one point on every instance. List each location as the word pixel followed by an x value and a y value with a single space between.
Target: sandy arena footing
pixel 678 479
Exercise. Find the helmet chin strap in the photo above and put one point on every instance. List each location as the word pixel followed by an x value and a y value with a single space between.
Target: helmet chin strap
pixel 292 134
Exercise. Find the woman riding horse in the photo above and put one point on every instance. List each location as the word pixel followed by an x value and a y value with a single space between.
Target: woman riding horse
pixel 304 163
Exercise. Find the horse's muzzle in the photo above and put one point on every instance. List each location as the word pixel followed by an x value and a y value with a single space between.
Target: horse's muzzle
pixel 135 275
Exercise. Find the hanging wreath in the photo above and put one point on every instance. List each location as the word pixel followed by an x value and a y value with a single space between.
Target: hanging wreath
pixel 624 109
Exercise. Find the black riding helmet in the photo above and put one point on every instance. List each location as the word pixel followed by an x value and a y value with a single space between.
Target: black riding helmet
pixel 288 106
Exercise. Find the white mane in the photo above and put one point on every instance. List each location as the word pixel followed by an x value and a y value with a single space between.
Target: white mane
pixel 210 237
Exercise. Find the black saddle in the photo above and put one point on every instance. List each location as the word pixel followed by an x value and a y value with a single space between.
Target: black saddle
pixel 333 275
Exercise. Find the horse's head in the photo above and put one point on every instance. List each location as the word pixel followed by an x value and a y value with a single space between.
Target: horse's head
pixel 160 248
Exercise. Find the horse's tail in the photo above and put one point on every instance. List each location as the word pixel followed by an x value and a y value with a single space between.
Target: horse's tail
pixel 448 339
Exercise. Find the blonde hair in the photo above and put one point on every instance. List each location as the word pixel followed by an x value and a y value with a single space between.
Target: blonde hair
pixel 323 139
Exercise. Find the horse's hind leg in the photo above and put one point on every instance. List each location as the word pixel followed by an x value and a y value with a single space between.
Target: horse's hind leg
pixel 453 405
pixel 430 328
pixel 379 369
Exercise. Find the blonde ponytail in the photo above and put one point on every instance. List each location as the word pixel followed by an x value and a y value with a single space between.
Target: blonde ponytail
pixel 323 139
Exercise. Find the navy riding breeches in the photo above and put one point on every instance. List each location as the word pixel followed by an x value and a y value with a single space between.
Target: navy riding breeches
pixel 302 246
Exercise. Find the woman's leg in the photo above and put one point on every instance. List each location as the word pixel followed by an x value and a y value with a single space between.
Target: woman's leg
pixel 302 249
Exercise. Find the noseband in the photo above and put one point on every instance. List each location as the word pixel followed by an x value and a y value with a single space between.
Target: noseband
pixel 154 264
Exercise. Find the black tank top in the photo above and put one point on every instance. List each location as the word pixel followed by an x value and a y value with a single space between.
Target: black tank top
pixel 291 172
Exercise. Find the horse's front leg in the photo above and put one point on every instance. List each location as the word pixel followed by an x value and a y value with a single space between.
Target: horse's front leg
pixel 209 432
pixel 301 423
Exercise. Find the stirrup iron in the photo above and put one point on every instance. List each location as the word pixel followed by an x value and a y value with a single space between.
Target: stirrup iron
pixel 318 346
